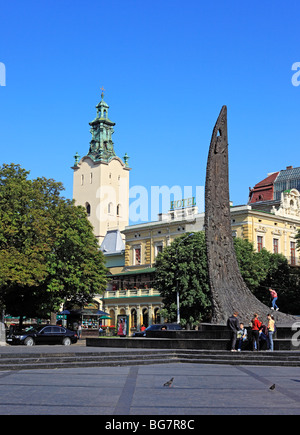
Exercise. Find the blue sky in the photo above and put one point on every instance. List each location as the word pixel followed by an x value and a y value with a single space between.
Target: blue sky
pixel 167 67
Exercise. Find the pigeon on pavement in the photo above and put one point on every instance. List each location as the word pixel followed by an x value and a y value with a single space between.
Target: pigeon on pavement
pixel 272 387
pixel 169 383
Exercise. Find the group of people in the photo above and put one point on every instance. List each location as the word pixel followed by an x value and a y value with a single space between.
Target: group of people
pixel 259 331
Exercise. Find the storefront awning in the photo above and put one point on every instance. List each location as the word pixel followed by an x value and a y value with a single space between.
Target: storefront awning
pixel 135 272
pixel 90 312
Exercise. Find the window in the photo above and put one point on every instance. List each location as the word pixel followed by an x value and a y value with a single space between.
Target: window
pixel 158 249
pixel 133 318
pixel 145 316
pixel 137 255
pixel 82 180
pixel 91 177
pixel 157 318
pixel 118 209
pixel 88 208
pixel 259 243
pixel 57 330
pixel 275 246
pixel 110 208
pixel 293 253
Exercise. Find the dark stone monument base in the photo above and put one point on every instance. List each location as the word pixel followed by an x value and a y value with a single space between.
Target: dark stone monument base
pixel 208 337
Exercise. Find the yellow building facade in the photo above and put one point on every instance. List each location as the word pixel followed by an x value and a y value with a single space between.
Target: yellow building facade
pixel 274 230
pixel 131 292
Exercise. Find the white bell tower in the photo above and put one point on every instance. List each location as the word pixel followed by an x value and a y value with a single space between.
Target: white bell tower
pixel 101 179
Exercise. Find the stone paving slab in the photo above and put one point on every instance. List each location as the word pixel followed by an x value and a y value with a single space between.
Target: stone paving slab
pixel 198 389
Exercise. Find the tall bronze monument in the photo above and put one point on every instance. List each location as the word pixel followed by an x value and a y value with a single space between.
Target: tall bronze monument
pixel 228 289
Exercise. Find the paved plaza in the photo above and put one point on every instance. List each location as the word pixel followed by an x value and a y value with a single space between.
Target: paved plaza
pixel 197 389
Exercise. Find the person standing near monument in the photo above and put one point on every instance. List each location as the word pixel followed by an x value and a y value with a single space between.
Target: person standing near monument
pixel 271 330
pixel 274 297
pixel 234 325
pixel 256 325
pixel 242 336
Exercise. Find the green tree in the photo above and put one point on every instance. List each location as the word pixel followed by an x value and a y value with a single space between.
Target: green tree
pixel 48 252
pixel 263 270
pixel 24 235
pixel 251 263
pixel 75 265
pixel 185 261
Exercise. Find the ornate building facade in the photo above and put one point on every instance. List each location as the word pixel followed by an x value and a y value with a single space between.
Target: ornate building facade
pixel 131 292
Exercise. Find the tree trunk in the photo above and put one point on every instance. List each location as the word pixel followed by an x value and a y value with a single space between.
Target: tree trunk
pixel 21 322
pixel 53 318
pixel 2 328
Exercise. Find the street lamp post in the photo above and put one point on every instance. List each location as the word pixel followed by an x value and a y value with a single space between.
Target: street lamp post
pixel 177 278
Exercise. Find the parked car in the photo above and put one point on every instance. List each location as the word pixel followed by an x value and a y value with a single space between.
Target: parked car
pixel 157 327
pixel 49 334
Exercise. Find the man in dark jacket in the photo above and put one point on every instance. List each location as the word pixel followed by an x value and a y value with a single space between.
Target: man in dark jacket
pixel 234 325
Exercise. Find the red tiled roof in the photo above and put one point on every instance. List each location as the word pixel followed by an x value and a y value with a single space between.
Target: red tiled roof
pixel 267 181
pixel 264 190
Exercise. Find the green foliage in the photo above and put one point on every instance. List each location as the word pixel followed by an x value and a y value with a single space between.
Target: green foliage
pixel 23 230
pixel 185 261
pixel 263 270
pixel 75 264
pixel 48 252
pixel 252 264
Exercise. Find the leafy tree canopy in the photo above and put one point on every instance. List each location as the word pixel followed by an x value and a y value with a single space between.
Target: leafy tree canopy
pixel 48 252
pixel 185 261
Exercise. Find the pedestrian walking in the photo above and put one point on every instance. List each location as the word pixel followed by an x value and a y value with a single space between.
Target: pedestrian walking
pixel 274 297
pixel 79 330
pixel 255 327
pixel 234 326
pixel 271 330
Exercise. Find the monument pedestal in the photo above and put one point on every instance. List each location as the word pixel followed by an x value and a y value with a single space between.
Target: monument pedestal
pixel 210 337
pixel 2 334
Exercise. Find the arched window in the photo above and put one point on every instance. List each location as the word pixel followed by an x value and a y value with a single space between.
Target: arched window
pixel 88 208
pixel 157 315
pixel 145 317
pixel 133 318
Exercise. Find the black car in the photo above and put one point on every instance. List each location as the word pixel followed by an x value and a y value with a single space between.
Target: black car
pixel 49 334
pixel 158 327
